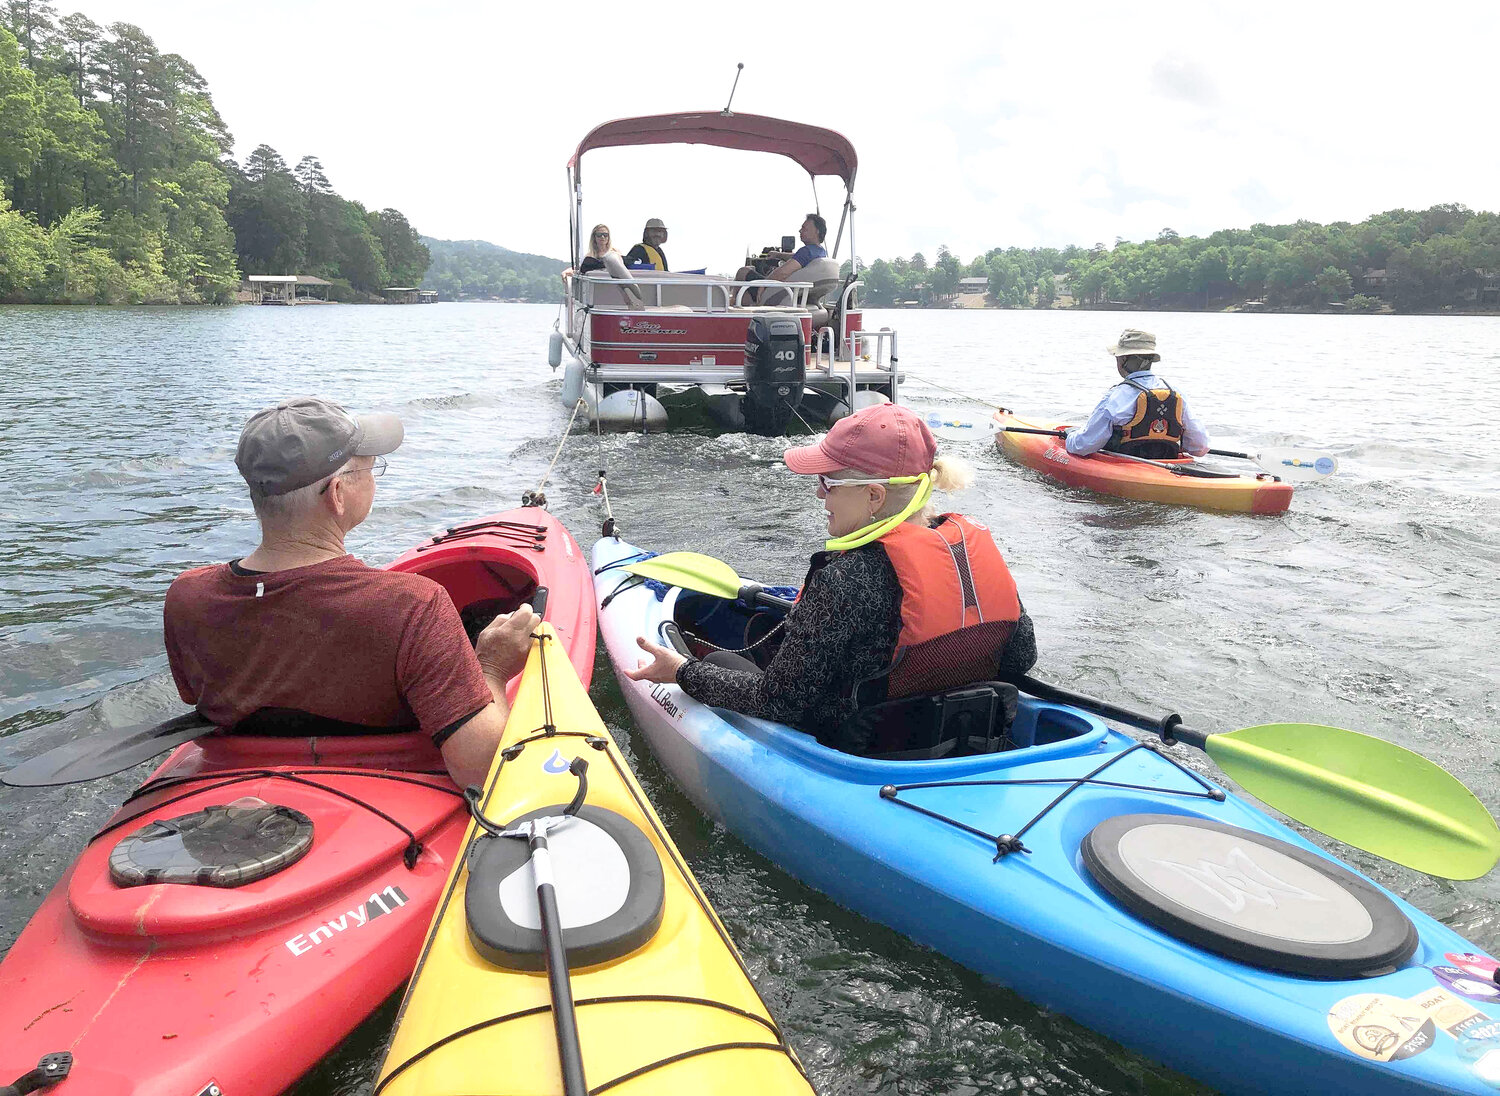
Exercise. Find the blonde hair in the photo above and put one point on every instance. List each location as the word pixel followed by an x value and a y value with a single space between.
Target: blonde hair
pixel 948 474
pixel 593 248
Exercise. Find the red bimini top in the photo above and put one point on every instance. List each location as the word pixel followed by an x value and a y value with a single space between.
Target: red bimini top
pixel 817 150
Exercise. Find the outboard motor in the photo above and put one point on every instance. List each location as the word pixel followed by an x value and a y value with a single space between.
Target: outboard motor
pixel 775 371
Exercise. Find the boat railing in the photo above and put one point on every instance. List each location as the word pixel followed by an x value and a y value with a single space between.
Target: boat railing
pixel 699 294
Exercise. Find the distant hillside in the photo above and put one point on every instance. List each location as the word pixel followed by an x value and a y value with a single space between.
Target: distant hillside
pixel 474 269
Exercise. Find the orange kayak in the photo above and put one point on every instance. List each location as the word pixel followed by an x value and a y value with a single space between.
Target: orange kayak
pixel 1180 482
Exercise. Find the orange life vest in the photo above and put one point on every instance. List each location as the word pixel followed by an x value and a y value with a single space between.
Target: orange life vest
pixel 958 605
pixel 1154 431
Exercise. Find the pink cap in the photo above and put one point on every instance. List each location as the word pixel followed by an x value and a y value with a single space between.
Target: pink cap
pixel 884 440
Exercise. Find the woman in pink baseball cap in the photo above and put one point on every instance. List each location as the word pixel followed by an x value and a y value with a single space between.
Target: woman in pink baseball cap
pixel 904 602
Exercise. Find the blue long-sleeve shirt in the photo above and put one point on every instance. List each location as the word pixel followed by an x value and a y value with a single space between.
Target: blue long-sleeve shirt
pixel 1118 407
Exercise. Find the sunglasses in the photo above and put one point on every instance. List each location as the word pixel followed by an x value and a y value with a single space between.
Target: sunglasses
pixel 601 235
pixel 825 483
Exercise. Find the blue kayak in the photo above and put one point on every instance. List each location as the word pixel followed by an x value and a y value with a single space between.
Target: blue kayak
pixel 1092 874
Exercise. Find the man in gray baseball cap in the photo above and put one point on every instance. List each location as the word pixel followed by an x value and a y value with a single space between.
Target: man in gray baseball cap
pixel 301 638
pixel 1143 416
pixel 303 440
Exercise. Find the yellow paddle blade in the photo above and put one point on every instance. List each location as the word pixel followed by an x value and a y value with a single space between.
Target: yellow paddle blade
pixel 1366 792
pixel 690 571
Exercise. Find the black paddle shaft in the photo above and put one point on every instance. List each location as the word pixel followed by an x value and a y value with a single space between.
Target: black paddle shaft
pixel 564 1019
pixel 1170 726
pixel 751 594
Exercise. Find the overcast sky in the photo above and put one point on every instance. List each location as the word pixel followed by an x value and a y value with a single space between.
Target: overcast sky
pixel 977 124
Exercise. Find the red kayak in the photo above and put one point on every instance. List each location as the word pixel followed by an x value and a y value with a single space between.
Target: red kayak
pixel 316 862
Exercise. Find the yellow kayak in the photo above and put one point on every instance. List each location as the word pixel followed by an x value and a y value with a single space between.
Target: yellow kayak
pixel 662 1001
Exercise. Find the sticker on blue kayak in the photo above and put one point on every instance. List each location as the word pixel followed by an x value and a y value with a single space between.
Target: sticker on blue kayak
pixel 1323 466
pixel 1480 966
pixel 555 764
pixel 1458 1018
pixel 1480 1047
pixel 1466 984
pixel 1381 1027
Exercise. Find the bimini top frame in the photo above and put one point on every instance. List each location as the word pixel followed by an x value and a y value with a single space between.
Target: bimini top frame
pixel 816 150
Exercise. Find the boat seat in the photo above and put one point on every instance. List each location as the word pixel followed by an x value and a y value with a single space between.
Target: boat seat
pixel 972 719
pixel 824 275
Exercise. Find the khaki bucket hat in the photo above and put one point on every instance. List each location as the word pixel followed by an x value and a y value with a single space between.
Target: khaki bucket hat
pixel 1133 341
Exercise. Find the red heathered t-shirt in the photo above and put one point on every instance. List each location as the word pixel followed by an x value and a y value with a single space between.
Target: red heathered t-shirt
pixel 337 639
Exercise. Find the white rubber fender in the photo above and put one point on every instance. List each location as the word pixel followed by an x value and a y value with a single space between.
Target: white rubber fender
pixel 554 350
pixel 572 386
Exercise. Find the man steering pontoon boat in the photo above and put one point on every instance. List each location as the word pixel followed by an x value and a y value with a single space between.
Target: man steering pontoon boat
pixel 799 351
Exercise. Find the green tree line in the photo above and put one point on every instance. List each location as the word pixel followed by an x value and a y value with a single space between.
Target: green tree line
pixel 291 221
pixel 474 269
pixel 116 182
pixel 1444 257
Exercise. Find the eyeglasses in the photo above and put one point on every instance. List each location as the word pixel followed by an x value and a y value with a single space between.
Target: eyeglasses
pixel 825 483
pixel 376 470
pixel 601 235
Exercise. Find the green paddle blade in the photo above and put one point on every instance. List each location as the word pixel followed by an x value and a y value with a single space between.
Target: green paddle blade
pixel 1366 792
pixel 690 571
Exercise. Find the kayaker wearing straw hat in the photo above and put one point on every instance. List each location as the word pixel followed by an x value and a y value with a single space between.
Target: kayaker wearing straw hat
pixel 1143 416
pixel 903 601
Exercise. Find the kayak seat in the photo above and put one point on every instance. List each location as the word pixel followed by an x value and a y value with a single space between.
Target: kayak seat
pixel 971 719
pixel 1248 896
pixel 609 884
pixel 1147 450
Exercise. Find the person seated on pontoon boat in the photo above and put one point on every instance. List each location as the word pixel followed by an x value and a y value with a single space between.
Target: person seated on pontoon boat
pixel 602 258
pixel 649 251
pixel 300 638
pixel 1143 416
pixel 812 234
pixel 904 603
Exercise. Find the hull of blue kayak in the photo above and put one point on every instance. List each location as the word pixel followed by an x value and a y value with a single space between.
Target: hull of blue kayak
pixel 1037 921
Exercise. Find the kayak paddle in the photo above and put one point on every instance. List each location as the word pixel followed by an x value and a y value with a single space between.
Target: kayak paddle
pixel 105 753
pixel 1359 789
pixel 704 574
pixel 554 951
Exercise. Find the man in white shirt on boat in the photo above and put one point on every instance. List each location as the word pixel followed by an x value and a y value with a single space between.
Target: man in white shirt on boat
pixel 1143 415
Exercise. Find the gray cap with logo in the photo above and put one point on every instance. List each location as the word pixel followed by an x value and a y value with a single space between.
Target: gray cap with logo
pixel 301 440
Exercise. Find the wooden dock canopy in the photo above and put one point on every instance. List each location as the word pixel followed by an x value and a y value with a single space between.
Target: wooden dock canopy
pixel 283 288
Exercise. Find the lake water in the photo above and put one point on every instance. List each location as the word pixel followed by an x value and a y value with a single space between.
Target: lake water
pixel 1373 604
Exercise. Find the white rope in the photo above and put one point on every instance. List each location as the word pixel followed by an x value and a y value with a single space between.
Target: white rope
pixel 956 392
pixel 560 441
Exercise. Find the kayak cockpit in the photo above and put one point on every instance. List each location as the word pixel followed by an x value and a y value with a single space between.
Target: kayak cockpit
pixel 1041 732
pixel 1036 731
